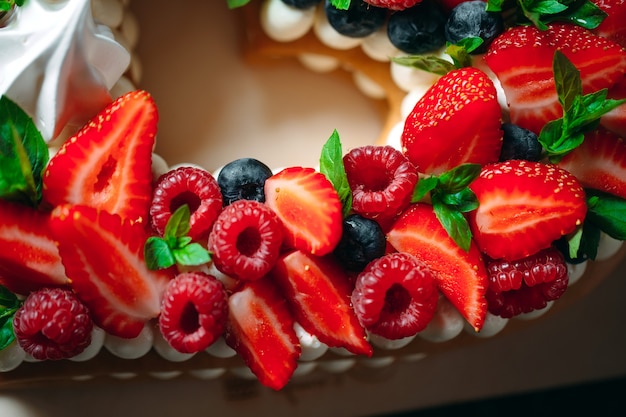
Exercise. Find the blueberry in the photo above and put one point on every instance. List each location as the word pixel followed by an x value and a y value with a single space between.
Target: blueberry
pixel 243 179
pixel 519 143
pixel 301 4
pixel 419 29
pixel 360 20
pixel 471 19
pixel 361 242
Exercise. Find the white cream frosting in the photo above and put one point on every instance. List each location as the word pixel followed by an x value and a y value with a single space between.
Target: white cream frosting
pixel 72 62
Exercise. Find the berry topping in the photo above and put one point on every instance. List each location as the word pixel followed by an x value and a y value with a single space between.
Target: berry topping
pixel 523 207
pixel 519 143
pixel 457 121
pixel 460 274
pixel 243 179
pixel 362 241
pixel 260 328
pixel 103 258
pixel 396 296
pixel 192 186
pixel 318 292
pixel 360 19
pixel 107 164
pixel 29 258
pixel 393 4
pixel 53 324
pixel 246 240
pixel 382 181
pixel 527 284
pixel 471 19
pixel 544 266
pixel 194 311
pixel 419 29
pixel 309 208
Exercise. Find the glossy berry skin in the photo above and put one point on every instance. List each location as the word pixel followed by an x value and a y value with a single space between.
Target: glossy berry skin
pixel 360 20
pixel 382 181
pixel 301 4
pixel 362 241
pixel 243 179
pixel 186 185
pixel 544 266
pixel 471 19
pixel 193 313
pixel 419 29
pixel 53 324
pixel 246 240
pixel 519 143
pixel 395 296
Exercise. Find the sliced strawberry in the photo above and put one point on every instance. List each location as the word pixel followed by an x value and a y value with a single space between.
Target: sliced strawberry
pixel 599 163
pixel 457 121
pixel 29 258
pixel 522 60
pixel 612 27
pixel 103 257
pixel 524 207
pixel 107 164
pixel 309 208
pixel 318 291
pixel 615 120
pixel 461 276
pixel 260 329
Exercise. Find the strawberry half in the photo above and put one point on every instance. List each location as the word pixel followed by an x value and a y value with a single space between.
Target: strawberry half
pixel 457 121
pixel 107 164
pixel 599 162
pixel 615 120
pixel 522 60
pixel 461 276
pixel 524 207
pixel 612 27
pixel 103 258
pixel 318 291
pixel 309 208
pixel 29 258
pixel 260 329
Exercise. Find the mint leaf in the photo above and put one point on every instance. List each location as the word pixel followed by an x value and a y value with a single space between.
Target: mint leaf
pixel 9 304
pixel 581 113
pixel 607 212
pixel 542 12
pixel 430 64
pixel 175 247
pixel 233 4
pixel 7 336
pixel 192 254
pixel 451 196
pixel 23 155
pixel 331 165
pixel 340 4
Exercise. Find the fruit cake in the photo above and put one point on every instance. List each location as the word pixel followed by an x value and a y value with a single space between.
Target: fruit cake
pixel 493 195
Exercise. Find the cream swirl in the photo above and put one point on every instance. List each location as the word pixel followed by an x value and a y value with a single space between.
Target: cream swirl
pixel 58 64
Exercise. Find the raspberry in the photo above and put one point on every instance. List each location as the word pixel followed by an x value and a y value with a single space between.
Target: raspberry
pixel 53 324
pixel 186 185
pixel 382 181
pixel 193 312
pixel 395 296
pixel 393 4
pixel 528 284
pixel 246 240
pixel 544 266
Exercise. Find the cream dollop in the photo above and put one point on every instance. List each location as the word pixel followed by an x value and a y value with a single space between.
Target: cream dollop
pixel 58 64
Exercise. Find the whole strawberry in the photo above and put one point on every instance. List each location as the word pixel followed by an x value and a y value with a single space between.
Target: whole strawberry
pixel 393 4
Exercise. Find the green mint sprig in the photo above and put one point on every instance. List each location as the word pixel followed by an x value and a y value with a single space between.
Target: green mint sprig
pixel 605 213
pixel 581 113
pixel 331 165
pixel 6 5
pixel 9 304
pixel 459 53
pixel 175 247
pixel 542 12
pixel 451 196
pixel 23 155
